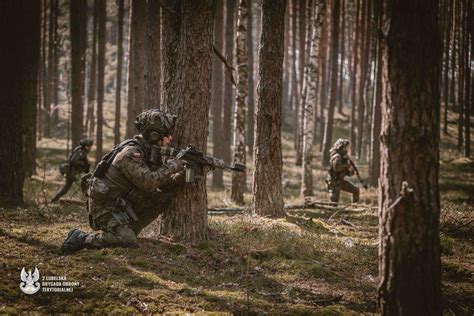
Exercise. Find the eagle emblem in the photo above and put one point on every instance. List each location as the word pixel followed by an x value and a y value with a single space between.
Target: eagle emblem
pixel 29 284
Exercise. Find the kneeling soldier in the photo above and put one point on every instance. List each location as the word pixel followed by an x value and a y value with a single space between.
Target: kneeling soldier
pixel 131 187
pixel 340 167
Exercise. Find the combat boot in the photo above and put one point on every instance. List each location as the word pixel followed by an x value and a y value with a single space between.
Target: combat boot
pixel 74 242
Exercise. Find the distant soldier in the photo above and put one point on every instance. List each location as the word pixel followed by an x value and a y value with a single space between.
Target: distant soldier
pixel 340 167
pixel 77 163
pixel 131 186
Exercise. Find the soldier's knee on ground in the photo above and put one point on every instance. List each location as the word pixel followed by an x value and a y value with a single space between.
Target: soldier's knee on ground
pixel 355 195
pixel 334 195
pixel 126 236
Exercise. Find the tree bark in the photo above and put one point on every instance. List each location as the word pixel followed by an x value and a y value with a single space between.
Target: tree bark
pixel 78 18
pixel 217 94
pixel 251 94
pixel 355 64
pixel 90 123
pixel 228 88
pixel 374 165
pixel 453 56
pixel 333 93
pixel 461 46
pixel 364 54
pixel 468 86
pixel 191 26
pixel 101 14
pixel 153 56
pixel 323 79
pixel 118 80
pixel 56 53
pixel 447 41
pixel 20 30
pixel 136 66
pixel 49 76
pixel 313 72
pixel 341 66
pixel 267 185
pixel 409 254
pixel 238 179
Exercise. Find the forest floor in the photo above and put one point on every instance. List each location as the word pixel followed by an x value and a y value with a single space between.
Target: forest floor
pixel 311 262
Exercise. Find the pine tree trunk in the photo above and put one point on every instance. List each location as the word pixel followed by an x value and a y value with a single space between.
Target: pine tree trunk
pixel 313 72
pixel 118 80
pixel 190 101
pixel 251 94
pixel 409 254
pixel 341 66
pixel 101 18
pixel 49 77
pixel 90 122
pixel 20 30
pixel 217 94
pixel 460 65
pixel 447 41
pixel 453 55
pixel 238 179
pixel 228 88
pixel 44 80
pixel 294 79
pixel 267 185
pixel 333 93
pixel 56 53
pixel 355 64
pixel 364 54
pixel 136 66
pixel 42 69
pixel 78 18
pixel 374 166
pixel 323 79
pixel 468 86
pixel 153 56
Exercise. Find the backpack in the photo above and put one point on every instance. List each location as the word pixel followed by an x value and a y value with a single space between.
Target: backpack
pixel 108 158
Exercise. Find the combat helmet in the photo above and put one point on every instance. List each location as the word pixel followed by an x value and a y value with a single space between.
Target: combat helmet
pixel 155 124
pixel 340 146
pixel 86 142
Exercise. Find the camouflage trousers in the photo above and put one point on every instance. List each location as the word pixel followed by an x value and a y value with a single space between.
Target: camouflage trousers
pixel 115 232
pixel 344 185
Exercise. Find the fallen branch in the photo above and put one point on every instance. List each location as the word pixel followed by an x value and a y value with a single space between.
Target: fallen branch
pixel 72 202
pixel 226 64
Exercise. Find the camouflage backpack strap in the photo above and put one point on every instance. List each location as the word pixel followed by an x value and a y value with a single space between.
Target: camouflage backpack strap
pixel 107 159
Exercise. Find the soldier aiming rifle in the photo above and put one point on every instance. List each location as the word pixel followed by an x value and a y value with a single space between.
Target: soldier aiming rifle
pixel 340 166
pixel 134 183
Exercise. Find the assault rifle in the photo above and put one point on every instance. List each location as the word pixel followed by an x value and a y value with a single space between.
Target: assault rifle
pixel 357 173
pixel 196 159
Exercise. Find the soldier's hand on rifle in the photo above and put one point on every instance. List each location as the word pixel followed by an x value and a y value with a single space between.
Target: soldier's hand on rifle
pixel 179 164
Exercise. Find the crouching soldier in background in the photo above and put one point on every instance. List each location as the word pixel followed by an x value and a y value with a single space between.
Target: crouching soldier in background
pixel 76 164
pixel 131 186
pixel 339 167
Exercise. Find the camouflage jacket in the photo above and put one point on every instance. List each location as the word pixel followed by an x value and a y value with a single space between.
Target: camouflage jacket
pixel 132 177
pixel 78 161
pixel 339 167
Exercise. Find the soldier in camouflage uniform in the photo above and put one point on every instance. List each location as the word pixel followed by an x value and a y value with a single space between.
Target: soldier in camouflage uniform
pixel 340 167
pixel 134 190
pixel 77 163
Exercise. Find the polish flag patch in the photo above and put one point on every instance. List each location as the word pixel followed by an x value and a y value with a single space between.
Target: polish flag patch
pixel 137 156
